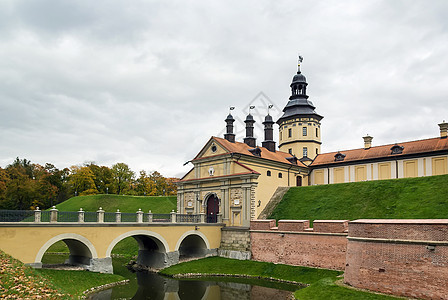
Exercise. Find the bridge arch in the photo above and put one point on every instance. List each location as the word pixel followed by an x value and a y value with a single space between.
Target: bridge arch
pixel 192 243
pixel 153 248
pixel 81 249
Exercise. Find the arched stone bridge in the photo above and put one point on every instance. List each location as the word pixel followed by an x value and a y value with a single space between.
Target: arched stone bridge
pixel 91 244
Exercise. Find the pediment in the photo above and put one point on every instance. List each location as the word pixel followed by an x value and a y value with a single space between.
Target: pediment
pixel 211 148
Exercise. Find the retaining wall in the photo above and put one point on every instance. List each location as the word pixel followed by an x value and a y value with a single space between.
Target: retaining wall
pixel 294 243
pixel 402 257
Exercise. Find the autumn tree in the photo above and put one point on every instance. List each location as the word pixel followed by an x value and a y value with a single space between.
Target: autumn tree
pixel 20 190
pixel 123 177
pixel 82 181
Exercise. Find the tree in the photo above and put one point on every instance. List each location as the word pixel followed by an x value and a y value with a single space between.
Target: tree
pixel 4 179
pixel 82 181
pixel 104 178
pixel 123 177
pixel 20 191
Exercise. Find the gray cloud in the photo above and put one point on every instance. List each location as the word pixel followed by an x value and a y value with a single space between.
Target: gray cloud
pixel 148 83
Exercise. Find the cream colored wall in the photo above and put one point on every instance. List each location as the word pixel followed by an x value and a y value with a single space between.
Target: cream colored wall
pixel 384 171
pixel 297 135
pixel 25 242
pixel 406 168
pixel 439 165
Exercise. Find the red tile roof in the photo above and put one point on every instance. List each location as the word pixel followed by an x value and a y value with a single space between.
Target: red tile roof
pixel 243 148
pixel 384 151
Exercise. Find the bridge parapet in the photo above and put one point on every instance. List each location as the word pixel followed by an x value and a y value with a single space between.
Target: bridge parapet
pixel 100 216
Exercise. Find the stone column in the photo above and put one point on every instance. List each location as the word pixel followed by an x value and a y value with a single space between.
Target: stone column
pixel 150 216
pixel 80 216
pixel 139 216
pixel 203 217
pixel 118 216
pixel 37 214
pixel 173 216
pixel 53 214
pixel 100 215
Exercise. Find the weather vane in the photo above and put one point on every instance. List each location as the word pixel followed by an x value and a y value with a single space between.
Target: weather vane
pixel 269 107
pixel 300 61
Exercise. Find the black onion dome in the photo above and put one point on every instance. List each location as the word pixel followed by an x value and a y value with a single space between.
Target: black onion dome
pixel 268 119
pixel 299 77
pixel 229 118
pixel 249 117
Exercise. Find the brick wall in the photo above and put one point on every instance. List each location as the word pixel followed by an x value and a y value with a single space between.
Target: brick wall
pixel 402 257
pixel 295 244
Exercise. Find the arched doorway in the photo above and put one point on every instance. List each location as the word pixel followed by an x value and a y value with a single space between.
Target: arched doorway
pixel 299 181
pixel 212 209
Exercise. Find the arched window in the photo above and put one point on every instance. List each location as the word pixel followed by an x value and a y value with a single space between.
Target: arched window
pixel 280 175
pixel 268 173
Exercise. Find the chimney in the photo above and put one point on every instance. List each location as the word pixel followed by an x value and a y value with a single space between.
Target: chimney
pixel 443 129
pixel 367 141
pixel 229 135
pixel 268 134
pixel 249 139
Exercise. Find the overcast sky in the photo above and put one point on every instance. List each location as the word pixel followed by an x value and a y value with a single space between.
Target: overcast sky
pixel 148 82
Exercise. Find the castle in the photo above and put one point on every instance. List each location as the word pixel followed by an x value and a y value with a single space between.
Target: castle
pixel 232 182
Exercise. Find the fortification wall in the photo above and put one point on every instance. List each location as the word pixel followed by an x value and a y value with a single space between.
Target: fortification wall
pixel 294 242
pixel 402 257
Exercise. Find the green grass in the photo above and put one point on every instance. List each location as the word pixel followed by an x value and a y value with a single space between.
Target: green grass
pixel 75 282
pixel 110 203
pixel 321 282
pixel 220 265
pixel 409 198
pixel 327 289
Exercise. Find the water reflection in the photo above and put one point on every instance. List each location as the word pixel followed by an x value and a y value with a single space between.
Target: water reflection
pixel 155 287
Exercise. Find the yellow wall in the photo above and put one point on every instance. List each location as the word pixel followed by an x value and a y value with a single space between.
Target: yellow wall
pixel 298 139
pixel 384 171
pixel 360 173
pixel 439 165
pixel 410 168
pixel 339 176
pixel 319 177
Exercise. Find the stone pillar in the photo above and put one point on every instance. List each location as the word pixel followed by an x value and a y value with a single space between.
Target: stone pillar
pixel 100 215
pixel 150 216
pixel 53 214
pixel 203 217
pixel 139 216
pixel 37 214
pixel 118 216
pixel 80 216
pixel 173 216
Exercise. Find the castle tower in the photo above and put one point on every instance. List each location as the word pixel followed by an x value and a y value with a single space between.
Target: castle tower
pixel 299 132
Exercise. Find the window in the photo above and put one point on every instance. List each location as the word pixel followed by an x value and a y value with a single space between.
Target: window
pixel 289 132
pixel 268 173
pixel 304 131
pixel 290 151
pixel 280 175
pixel 280 135
pixel 305 152
pixel 317 132
pixel 317 151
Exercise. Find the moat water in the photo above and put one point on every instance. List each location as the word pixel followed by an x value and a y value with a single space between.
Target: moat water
pixel 146 285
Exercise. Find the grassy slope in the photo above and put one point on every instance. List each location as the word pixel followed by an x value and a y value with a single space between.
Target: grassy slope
pixel 21 282
pixel 409 198
pixel 321 281
pixel 110 203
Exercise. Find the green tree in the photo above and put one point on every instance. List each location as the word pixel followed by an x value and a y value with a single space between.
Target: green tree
pixel 123 178
pixel 104 178
pixel 4 179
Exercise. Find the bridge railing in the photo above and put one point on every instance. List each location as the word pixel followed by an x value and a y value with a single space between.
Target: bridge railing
pixel 100 216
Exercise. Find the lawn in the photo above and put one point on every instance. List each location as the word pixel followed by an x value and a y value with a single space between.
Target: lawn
pixel 408 198
pixel 110 203
pixel 321 282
